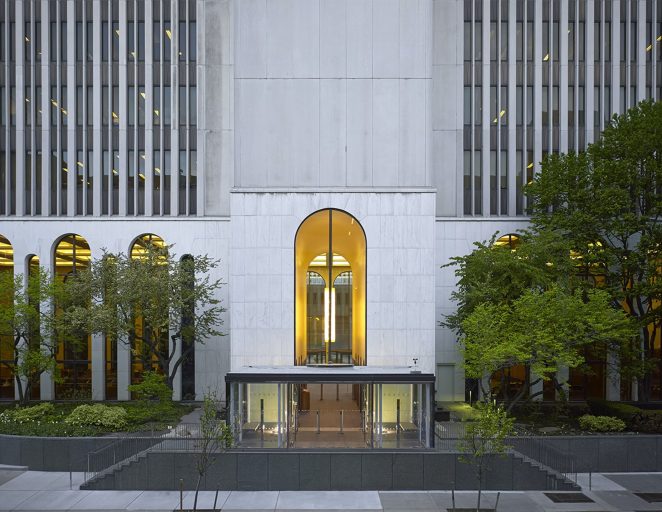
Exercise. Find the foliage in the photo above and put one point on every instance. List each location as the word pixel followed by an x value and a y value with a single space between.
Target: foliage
pixel 110 418
pixel 215 436
pixel 29 309
pixel 151 387
pixel 543 330
pixel 636 419
pixel 606 203
pixel 140 416
pixel 601 423
pixel 29 414
pixel 493 274
pixel 484 438
pixel 153 303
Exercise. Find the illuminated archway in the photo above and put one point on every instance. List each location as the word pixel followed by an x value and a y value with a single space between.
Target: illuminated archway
pixel 6 340
pixel 330 289
pixel 146 342
pixel 74 357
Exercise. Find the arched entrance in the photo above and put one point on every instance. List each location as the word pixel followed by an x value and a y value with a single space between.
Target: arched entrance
pixel 330 290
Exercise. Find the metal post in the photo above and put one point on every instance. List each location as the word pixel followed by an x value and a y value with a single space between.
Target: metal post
pixel 397 421
pixel 262 422
pixel 279 416
pixel 318 421
pixel 337 392
pixel 341 421
pixel 321 392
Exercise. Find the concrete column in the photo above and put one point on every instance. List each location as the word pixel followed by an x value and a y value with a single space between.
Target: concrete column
pixel 123 370
pixel 613 383
pixel 98 367
pixel 562 375
pixel 177 381
pixel 536 388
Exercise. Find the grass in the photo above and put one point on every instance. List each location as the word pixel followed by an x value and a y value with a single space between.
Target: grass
pixel 141 416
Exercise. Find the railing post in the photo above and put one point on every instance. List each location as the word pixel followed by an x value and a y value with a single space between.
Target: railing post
pixel 341 421
pixel 318 421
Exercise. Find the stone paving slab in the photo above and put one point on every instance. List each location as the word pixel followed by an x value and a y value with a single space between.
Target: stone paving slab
pixel 105 500
pixel 338 500
pixel 9 500
pixel 624 500
pixel 597 482
pixel 407 501
pixel 36 481
pixel 638 482
pixel 249 500
pixel 52 500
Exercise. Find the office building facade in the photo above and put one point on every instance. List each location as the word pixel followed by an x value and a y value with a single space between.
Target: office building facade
pixel 334 154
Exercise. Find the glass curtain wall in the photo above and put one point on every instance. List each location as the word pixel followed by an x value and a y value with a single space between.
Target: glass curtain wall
pixel 292 415
pixel 74 356
pixel 6 339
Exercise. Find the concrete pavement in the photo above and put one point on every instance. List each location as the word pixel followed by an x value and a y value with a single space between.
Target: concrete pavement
pixel 38 490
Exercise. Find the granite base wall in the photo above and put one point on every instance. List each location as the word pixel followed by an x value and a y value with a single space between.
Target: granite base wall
pixel 323 471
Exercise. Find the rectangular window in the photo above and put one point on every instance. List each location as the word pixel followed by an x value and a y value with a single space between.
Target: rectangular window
pixel 467 183
pixel 167 105
pixel 467 41
pixel 142 97
pixel 182 106
pixel 193 105
pixel 182 38
pixel 192 41
pixel 467 105
pixel 131 97
pixel 478 105
pixel 90 106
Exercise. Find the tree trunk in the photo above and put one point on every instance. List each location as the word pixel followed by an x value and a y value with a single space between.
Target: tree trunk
pixel 21 394
pixel 197 489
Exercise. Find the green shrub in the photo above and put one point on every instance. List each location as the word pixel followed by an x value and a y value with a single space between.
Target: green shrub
pixel 29 414
pixel 601 423
pixel 111 418
pixel 152 387
pixel 620 410
pixel 649 421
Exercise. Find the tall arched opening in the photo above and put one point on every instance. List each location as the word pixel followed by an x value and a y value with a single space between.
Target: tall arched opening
pixel 6 338
pixel 330 290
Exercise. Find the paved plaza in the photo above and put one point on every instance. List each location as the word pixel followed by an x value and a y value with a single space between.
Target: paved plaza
pixel 38 490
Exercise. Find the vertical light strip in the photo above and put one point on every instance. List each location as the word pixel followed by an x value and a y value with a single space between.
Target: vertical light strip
pixel 123 166
pixel 20 107
pixel 485 151
pixel 472 120
pixel 162 128
pixel 83 128
pixel 537 85
pixel 182 35
pixel 615 56
pixel 512 107
pixel 32 106
pixel 71 108
pixel 61 206
pixel 97 156
pixel 563 78
pixel 148 107
pixel 590 71
pixel 46 183
pixel 641 50
pixel 174 110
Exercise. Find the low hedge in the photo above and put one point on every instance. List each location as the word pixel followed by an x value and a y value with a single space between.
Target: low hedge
pixel 601 423
pixel 636 419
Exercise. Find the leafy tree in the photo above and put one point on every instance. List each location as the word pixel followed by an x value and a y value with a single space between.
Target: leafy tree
pixel 484 438
pixel 606 202
pixel 542 330
pixel 27 312
pixel 150 302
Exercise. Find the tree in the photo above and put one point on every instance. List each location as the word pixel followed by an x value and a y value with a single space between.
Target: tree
pixel 23 320
pixel 215 436
pixel 484 438
pixel 541 330
pixel 152 303
pixel 606 202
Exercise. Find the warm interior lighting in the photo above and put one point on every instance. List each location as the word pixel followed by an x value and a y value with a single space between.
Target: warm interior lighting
pixel 65 169
pixel 133 54
pixel 168 33
pixel 649 47
pixel 117 32
pixel 545 58
pixel 329 315
pixel 320 261
pixel 659 38
pixel 157 170
pixel 53 102
pixel 79 164
pixel 502 113
pixel 144 96
pixel 156 111
pixel 142 176
pixel 530 166
pixel 27 39
pixel 6 253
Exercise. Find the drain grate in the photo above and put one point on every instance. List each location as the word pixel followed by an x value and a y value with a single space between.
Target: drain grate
pixel 650 497
pixel 568 497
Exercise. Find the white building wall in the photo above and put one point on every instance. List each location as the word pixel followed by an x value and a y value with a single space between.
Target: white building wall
pixel 399 229
pixel 332 93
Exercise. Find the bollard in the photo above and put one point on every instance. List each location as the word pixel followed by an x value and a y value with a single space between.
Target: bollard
pixel 181 494
pixel 342 421
pixel 318 421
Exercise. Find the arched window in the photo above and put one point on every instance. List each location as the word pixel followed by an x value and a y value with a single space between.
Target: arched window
pixel 143 357
pixel 330 289
pixel 6 339
pixel 74 356
pixel 509 240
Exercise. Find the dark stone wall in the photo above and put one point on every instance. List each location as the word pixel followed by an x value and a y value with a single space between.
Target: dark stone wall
pixel 350 470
